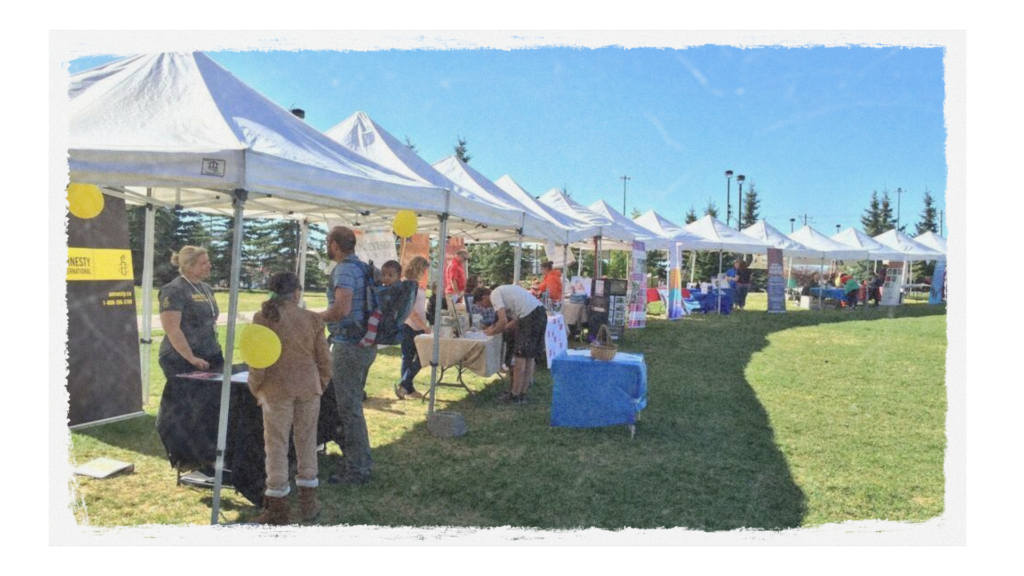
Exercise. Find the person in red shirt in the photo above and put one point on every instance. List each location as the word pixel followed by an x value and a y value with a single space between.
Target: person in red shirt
pixel 551 283
pixel 455 274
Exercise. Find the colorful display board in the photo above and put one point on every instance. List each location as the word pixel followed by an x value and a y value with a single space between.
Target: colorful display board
pixel 637 317
pixel 776 282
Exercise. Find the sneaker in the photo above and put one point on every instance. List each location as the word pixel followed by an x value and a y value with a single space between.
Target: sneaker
pixel 415 394
pixel 521 399
pixel 506 397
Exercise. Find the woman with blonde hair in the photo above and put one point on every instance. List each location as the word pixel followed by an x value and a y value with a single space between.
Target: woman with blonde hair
pixel 289 393
pixel 188 315
pixel 415 325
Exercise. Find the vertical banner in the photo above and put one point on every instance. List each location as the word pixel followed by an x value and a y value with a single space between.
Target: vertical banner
pixel 556 337
pixel 375 245
pixel 938 283
pixel 417 245
pixel 893 284
pixel 675 285
pixel 776 282
pixel 104 376
pixel 637 317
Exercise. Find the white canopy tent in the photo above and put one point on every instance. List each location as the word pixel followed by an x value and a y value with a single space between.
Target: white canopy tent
pixel 907 249
pixel 767 233
pixel 932 241
pixel 856 239
pixel 714 234
pixel 478 218
pixel 603 227
pixel 179 130
pixel 826 248
pixel 533 226
pixel 651 241
pixel 574 229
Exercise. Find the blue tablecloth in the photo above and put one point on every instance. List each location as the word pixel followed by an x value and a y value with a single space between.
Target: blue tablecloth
pixel 836 293
pixel 708 301
pixel 589 393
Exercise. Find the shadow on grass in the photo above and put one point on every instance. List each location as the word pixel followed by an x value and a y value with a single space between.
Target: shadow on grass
pixel 137 435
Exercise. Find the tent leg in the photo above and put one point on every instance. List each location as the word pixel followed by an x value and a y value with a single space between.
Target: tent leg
pixel 517 267
pixel 146 340
pixel 229 350
pixel 693 264
pixel 438 304
pixel 300 262
pixel 597 256
pixel 719 310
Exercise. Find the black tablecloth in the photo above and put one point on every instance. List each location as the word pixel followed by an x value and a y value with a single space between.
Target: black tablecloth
pixel 187 425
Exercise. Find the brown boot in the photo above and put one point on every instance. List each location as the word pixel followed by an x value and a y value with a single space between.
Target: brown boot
pixel 309 507
pixel 275 512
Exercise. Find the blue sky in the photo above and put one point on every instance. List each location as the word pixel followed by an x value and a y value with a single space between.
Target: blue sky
pixel 817 129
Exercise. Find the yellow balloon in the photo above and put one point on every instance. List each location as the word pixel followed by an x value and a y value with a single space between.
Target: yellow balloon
pixel 260 346
pixel 85 200
pixel 405 223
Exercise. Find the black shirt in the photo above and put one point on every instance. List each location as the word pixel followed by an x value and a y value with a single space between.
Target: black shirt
pixel 199 313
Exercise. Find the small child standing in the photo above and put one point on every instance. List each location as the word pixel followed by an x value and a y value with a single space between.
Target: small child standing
pixel 414 325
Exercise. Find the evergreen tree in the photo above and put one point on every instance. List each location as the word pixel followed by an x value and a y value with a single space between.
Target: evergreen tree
pixel 870 222
pixel 927 222
pixel 885 220
pixel 495 263
pixel 460 150
pixel 923 270
pixel 751 208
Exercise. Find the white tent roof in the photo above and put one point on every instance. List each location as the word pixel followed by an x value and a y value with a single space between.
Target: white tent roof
pixel 933 241
pixel 715 235
pixel 824 248
pixel 651 241
pixel 857 239
pixel 182 125
pixel 606 228
pixel 575 230
pixel 908 248
pixel 534 227
pixel 768 234
pixel 473 216
pixel 663 227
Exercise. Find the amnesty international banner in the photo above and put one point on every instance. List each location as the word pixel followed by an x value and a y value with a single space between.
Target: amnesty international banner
pixel 675 286
pixel 638 288
pixel 104 376
pixel 776 282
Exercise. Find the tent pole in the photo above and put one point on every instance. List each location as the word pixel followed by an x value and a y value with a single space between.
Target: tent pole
pixel 719 311
pixel 693 264
pixel 518 265
pixel 438 301
pixel 300 262
pixel 147 295
pixel 565 263
pixel 229 350
pixel 597 256
pixel 821 285
pixel 579 263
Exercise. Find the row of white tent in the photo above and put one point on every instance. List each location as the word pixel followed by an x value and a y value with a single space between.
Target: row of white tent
pixel 178 130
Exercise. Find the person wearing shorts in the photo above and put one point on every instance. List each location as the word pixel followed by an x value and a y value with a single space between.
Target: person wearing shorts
pixel 516 308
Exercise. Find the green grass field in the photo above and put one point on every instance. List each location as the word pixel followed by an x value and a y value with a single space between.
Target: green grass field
pixel 753 420
pixel 248 300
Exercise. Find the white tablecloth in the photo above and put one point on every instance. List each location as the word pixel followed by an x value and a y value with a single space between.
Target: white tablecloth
pixel 482 357
pixel 574 313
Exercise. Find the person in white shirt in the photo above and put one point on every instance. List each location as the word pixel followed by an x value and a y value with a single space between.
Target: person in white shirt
pixel 519 310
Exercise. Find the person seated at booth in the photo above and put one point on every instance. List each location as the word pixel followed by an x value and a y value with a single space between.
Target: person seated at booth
pixel 550 283
pixel 813 283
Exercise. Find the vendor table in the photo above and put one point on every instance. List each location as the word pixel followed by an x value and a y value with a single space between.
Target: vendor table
pixel 710 300
pixel 187 425
pixel 834 293
pixel 480 356
pixel 589 393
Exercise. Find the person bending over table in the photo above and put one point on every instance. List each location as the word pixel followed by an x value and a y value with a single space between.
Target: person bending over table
pixel 289 393
pixel 514 306
pixel 188 315
pixel 851 289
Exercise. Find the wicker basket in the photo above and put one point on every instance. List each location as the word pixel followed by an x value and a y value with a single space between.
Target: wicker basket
pixel 602 347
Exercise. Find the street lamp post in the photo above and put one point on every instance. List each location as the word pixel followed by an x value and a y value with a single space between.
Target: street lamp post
pixel 837 228
pixel 899 195
pixel 624 178
pixel 739 203
pixel 792 221
pixel 728 196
